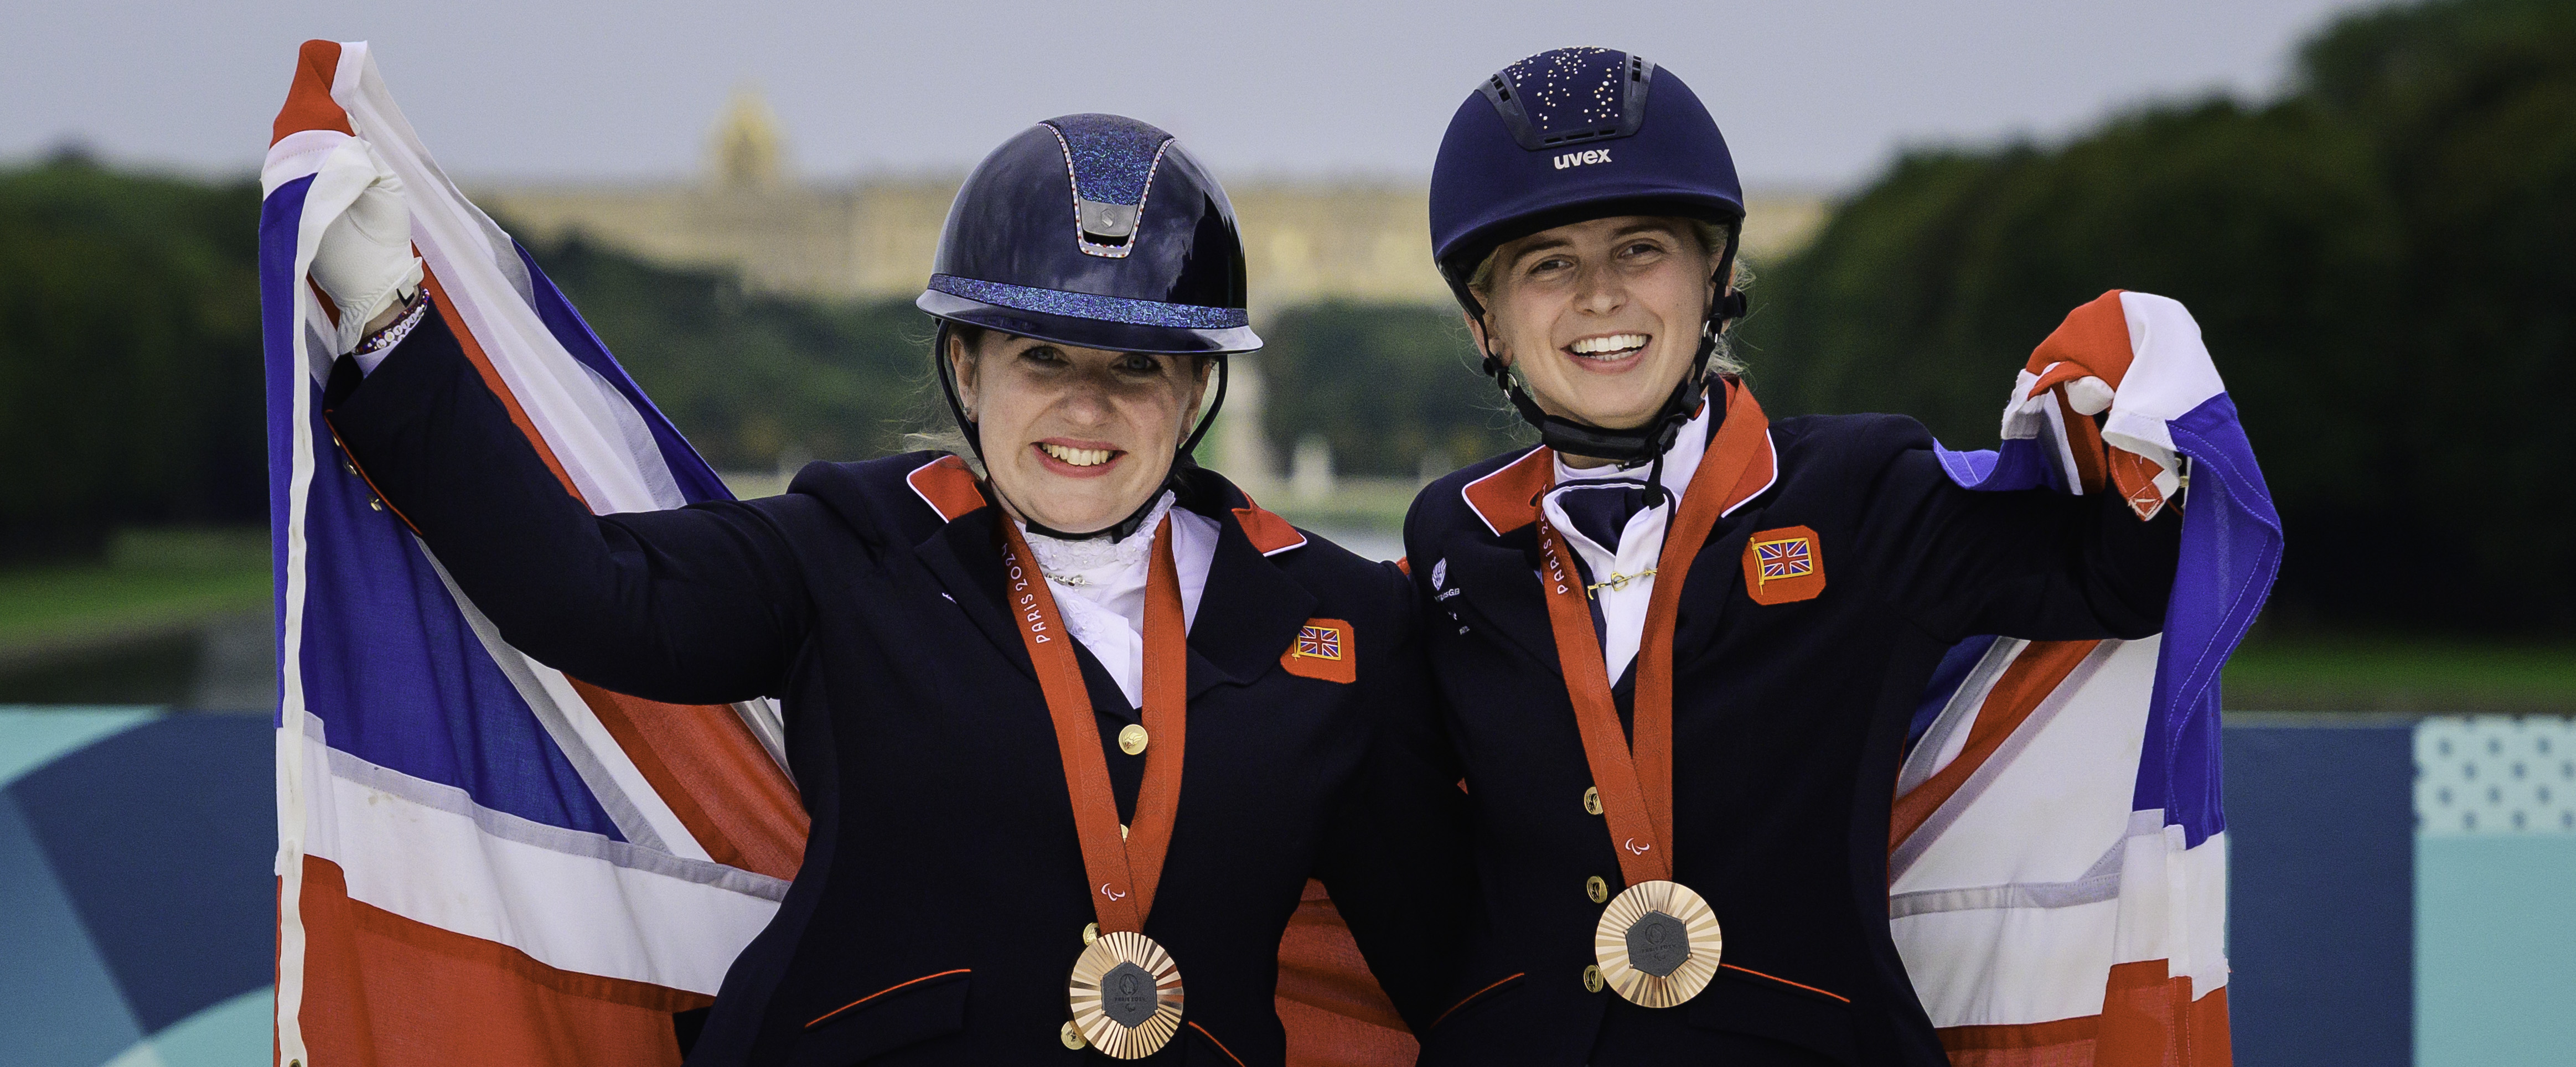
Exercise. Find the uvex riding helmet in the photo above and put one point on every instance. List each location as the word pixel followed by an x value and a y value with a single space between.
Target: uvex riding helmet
pixel 1576 134
pixel 1097 231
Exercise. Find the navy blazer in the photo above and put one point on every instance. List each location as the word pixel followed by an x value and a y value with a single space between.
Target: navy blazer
pixel 942 890
pixel 1788 722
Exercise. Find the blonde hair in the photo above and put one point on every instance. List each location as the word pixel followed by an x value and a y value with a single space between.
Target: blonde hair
pixel 1713 239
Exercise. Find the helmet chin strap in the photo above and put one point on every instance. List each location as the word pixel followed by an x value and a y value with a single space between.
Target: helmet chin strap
pixel 1116 531
pixel 1645 442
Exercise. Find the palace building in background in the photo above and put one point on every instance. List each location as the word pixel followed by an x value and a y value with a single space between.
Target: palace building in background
pixel 1309 239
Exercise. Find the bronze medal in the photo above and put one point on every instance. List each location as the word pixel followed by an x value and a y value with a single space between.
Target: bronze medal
pixel 1657 942
pixel 1125 990
pixel 1126 995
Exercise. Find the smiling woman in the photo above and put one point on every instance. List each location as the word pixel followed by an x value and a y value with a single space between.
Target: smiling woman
pixel 994 807
pixel 1733 752
pixel 1600 317
pixel 1074 438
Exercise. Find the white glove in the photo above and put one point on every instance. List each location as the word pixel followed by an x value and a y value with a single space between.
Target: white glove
pixel 365 263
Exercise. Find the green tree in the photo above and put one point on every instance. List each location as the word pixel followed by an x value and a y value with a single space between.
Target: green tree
pixel 2378 263
pixel 752 377
pixel 1386 385
pixel 129 355
pixel 2472 107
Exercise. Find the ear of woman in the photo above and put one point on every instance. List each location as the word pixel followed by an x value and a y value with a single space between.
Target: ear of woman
pixel 1602 317
pixel 1075 439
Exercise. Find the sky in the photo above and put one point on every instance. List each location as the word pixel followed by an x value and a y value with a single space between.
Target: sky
pixel 1816 94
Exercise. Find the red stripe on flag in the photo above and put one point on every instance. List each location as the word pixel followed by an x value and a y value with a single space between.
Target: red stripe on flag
pixel 2149 1019
pixel 2058 1043
pixel 308 100
pixel 381 990
pixel 1335 1014
pixel 2093 340
pixel 2033 675
pixel 715 776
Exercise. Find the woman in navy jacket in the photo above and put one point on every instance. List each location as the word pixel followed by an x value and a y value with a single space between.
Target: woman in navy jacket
pixel 991 683
pixel 1681 642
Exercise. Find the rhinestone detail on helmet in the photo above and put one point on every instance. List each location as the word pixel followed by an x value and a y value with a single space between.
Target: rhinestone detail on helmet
pixel 1570 89
pixel 1110 160
pixel 1092 306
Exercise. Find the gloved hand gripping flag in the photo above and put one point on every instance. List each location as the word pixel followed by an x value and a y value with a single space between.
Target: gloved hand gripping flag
pixel 480 860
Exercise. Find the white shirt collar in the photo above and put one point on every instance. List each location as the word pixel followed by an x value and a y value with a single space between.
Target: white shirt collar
pixel 1641 542
pixel 1099 586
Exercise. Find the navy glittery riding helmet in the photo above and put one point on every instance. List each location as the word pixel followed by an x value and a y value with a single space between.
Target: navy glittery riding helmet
pixel 1098 231
pixel 1569 135
pixel 1566 136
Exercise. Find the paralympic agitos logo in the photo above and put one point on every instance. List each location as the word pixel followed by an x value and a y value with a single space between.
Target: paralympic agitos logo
pixel 1577 159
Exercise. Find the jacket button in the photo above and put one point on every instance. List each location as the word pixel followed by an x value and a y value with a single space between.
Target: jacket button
pixel 1132 740
pixel 1591 979
pixel 1597 889
pixel 1071 1037
pixel 1591 800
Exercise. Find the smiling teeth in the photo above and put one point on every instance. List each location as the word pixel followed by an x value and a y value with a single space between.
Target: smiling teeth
pixel 1078 457
pixel 1617 342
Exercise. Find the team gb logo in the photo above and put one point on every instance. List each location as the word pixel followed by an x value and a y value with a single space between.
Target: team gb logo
pixel 1577 159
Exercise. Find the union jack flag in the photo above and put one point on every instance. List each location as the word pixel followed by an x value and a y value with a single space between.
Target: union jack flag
pixel 480 859
pixel 1790 558
pixel 1319 642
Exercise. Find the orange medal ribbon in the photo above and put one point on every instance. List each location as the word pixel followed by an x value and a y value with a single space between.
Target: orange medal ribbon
pixel 1637 787
pixel 1123 870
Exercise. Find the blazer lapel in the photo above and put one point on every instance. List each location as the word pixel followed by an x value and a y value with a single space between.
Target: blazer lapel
pixel 1248 615
pixel 961 557
pixel 1496 579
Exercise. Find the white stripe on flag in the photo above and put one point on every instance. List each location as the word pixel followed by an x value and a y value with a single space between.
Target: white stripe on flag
pixel 573 901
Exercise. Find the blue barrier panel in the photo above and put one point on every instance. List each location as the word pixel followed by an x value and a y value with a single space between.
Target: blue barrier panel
pixel 136 903
pixel 2495 884
pixel 2321 876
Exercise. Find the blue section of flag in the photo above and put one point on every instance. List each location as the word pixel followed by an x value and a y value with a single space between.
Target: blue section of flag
pixel 388 662
pixel 400 681
pixel 698 482
pixel 2231 551
pixel 279 219
pixel 1946 680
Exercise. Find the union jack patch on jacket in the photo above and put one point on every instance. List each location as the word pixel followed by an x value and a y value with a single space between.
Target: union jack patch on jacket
pixel 1784 565
pixel 1323 650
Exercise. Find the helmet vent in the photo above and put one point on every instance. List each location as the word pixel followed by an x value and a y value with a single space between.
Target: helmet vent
pixel 1571 96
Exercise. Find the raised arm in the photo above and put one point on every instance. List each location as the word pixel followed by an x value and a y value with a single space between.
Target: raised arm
pixel 2032 563
pixel 695 605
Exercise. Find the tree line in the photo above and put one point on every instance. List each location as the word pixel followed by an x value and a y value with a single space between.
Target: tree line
pixel 2379 258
